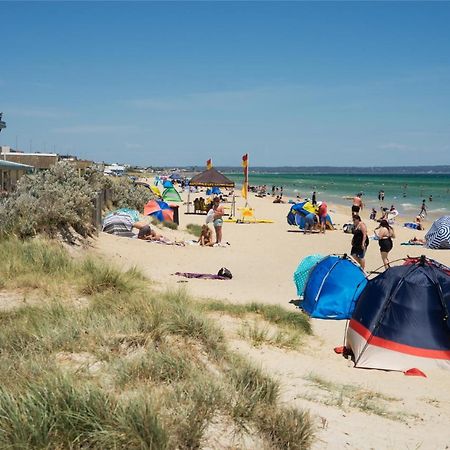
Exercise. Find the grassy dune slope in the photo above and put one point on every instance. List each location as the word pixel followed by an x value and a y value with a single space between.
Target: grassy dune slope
pixel 93 357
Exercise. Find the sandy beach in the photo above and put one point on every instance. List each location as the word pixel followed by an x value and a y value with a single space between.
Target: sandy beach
pixel 262 259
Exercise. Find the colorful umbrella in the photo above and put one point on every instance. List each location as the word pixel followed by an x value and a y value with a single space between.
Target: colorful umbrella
pixel 159 210
pixel 156 191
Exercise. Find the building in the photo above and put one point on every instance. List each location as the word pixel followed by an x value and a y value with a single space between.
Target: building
pixel 37 160
pixel 10 172
pixel 114 169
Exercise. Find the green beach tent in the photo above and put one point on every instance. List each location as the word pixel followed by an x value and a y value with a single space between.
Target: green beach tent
pixel 171 195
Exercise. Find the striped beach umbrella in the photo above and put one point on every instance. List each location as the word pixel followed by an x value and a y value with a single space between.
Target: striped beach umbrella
pixel 159 210
pixel 118 222
pixel 439 234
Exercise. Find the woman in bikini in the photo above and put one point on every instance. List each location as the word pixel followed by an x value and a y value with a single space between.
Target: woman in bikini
pixel 385 234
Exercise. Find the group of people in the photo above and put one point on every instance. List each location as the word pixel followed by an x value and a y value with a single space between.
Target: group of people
pixel 214 216
pixel 320 219
pixel 384 233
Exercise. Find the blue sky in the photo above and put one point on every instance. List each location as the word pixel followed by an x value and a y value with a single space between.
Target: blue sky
pixel 317 83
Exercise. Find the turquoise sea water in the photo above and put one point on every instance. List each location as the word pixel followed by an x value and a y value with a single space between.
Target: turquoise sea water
pixel 406 192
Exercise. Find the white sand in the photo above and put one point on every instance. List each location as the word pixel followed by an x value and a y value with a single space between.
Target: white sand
pixel 262 259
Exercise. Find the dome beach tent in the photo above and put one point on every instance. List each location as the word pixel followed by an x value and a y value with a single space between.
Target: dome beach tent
pixel 171 195
pixel 210 178
pixel 332 286
pixel 401 319
pixel 438 235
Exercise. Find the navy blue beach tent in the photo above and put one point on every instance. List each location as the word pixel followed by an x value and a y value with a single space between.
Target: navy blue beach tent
pixel 401 320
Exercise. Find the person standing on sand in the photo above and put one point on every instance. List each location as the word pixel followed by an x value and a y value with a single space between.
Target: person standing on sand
pixel 314 199
pixel 385 234
pixel 218 219
pixel 323 212
pixel 360 241
pixel 357 204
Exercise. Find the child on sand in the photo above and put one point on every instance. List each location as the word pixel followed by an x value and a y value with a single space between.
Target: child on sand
pixel 205 239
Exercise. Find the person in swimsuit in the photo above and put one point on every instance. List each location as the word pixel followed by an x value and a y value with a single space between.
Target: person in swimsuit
pixel 385 234
pixel 218 219
pixel 360 241
pixel 205 239
pixel 357 205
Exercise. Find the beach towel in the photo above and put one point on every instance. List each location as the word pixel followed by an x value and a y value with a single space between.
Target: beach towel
pixel 411 243
pixel 203 276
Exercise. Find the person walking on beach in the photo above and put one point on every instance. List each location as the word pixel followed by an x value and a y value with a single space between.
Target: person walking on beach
pixel 357 204
pixel 385 234
pixel 423 209
pixel 360 241
pixel 313 199
pixel 218 219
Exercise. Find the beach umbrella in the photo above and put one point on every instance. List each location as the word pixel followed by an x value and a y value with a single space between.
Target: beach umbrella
pixel 175 176
pixel 156 191
pixel 159 210
pixel 118 222
pixel 439 234
pixel 134 214
pixel 167 184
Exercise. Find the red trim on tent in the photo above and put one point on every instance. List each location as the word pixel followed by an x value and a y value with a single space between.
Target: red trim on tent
pixel 395 346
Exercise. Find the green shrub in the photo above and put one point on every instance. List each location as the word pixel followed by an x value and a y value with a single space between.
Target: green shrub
pixel 194 229
pixel 171 225
pixel 56 200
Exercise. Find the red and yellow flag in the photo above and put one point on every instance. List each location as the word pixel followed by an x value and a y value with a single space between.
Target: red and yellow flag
pixel 209 164
pixel 245 184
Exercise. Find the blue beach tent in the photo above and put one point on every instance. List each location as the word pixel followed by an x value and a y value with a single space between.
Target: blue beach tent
pixel 332 288
pixel 401 320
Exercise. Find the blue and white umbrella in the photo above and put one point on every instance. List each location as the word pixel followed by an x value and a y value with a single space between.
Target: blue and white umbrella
pixel 439 234
pixel 118 222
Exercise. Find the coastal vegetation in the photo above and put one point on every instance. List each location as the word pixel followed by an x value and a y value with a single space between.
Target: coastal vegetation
pixel 59 202
pixel 94 357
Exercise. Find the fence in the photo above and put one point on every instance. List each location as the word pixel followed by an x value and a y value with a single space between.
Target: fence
pixel 99 203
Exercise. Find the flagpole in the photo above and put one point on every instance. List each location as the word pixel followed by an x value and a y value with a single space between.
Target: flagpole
pixel 245 184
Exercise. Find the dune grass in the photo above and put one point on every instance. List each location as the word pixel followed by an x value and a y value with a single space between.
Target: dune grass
pixel 265 324
pixel 131 368
pixel 348 396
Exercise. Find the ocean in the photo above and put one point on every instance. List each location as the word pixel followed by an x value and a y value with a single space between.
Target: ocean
pixel 404 191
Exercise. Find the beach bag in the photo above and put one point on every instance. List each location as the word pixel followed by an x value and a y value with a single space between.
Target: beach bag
pixel 210 216
pixel 348 228
pixel 224 272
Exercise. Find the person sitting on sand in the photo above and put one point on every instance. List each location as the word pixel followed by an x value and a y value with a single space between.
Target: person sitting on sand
pixel 419 223
pixel 147 234
pixel 205 239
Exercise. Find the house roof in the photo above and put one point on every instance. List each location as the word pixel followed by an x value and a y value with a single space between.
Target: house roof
pixel 211 177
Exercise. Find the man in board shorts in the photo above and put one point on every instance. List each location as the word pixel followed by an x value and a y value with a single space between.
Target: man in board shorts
pixel 357 205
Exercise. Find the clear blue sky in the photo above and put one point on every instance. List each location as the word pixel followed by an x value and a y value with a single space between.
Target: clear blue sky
pixel 343 83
